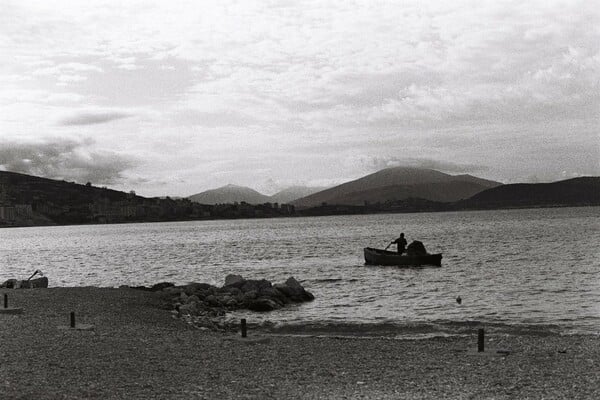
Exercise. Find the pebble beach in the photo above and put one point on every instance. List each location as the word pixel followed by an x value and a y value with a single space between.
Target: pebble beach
pixel 130 347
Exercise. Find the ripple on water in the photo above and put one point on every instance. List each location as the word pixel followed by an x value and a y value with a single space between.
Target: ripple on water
pixel 508 266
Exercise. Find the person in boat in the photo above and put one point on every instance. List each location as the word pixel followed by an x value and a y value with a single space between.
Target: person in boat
pixel 401 243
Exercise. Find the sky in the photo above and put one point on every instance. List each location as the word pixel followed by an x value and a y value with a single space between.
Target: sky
pixel 178 97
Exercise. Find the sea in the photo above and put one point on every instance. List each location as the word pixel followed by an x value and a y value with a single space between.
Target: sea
pixel 523 270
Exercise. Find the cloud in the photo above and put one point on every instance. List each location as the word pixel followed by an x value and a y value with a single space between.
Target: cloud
pixel 65 159
pixel 93 117
pixel 228 118
pixel 378 163
pixel 304 84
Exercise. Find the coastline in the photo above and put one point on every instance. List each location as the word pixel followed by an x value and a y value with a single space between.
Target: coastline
pixel 137 350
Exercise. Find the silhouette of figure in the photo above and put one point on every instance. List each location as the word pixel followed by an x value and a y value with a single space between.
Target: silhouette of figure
pixel 401 243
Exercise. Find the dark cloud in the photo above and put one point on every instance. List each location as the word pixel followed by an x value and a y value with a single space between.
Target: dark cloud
pixel 93 117
pixel 64 159
pixel 379 163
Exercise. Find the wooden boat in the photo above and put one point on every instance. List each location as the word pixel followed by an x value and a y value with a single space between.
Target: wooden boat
pixel 384 257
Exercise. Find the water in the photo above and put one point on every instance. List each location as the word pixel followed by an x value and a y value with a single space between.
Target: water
pixel 513 269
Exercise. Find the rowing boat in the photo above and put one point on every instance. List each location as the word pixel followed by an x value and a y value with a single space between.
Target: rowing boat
pixel 384 257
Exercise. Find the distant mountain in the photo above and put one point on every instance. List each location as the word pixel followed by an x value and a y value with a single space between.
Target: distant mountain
pixel 571 192
pixel 400 183
pixel 293 193
pixel 230 194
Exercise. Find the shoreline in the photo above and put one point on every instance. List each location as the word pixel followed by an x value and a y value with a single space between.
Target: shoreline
pixel 242 218
pixel 137 350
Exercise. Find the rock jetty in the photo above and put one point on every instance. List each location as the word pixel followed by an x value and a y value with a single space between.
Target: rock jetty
pixel 209 302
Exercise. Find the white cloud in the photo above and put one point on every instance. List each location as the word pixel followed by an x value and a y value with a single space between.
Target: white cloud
pixel 303 84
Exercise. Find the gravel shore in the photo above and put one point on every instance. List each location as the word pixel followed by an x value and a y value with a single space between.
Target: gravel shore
pixel 136 350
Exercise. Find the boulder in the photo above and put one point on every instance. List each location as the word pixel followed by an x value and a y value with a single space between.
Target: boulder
pixel 284 289
pixel 294 291
pixel 292 283
pixel 188 309
pixel 234 280
pixel 11 284
pixel 272 293
pixel 173 290
pixel 160 286
pixel 192 299
pixel 250 295
pixel 231 290
pixel 212 300
pixel 231 303
pixel 199 288
pixel 263 304
pixel 252 284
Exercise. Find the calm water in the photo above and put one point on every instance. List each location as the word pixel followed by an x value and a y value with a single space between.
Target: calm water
pixel 512 268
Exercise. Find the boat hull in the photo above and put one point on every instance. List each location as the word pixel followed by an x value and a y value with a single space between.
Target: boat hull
pixel 384 257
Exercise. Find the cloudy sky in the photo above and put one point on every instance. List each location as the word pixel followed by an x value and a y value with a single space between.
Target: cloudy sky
pixel 173 98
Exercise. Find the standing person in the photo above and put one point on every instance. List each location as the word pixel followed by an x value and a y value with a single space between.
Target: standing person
pixel 401 243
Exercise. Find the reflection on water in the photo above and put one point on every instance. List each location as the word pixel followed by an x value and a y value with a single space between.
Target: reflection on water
pixel 539 266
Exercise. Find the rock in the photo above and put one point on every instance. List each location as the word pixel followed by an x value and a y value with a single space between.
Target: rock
pixel 250 295
pixel 183 297
pixel 41 283
pixel 284 289
pixel 231 290
pixel 308 296
pixel 213 301
pixel 173 290
pixel 199 288
pixel 192 299
pixel 294 290
pixel 161 286
pixel 223 299
pixel 234 280
pixel 273 294
pixel 292 283
pixel 10 284
pixel 231 303
pixel 206 301
pixel 263 304
pixel 257 285
pixel 188 309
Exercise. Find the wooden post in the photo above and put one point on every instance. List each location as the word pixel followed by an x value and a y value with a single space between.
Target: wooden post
pixel 480 342
pixel 5 300
pixel 72 319
pixel 243 327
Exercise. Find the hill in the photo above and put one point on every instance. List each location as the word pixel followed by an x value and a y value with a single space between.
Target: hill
pixel 293 193
pixel 400 183
pixel 571 192
pixel 230 194
pixel 27 200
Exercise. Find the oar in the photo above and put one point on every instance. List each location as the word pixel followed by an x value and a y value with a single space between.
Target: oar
pixel 388 245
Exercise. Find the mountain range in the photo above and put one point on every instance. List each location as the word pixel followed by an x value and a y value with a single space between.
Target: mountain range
pixel 391 184
pixel 27 200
